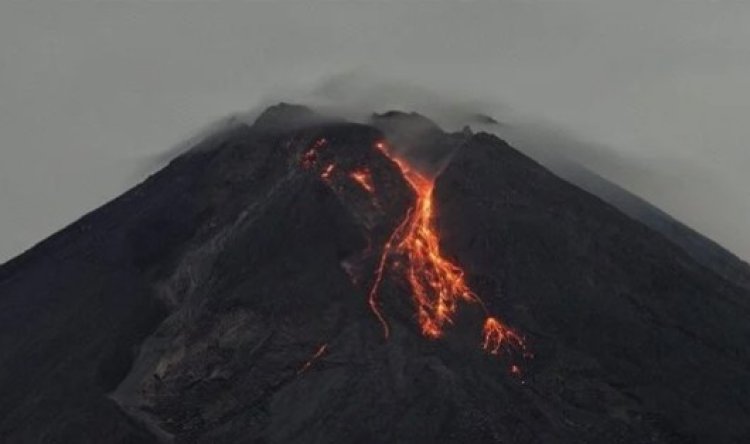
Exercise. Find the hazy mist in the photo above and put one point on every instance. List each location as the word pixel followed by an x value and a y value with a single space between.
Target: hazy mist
pixel 654 96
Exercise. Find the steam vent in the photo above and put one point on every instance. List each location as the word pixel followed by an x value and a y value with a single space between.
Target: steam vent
pixel 308 280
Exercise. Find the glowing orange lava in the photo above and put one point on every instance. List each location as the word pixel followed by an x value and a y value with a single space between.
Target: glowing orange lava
pixel 437 284
pixel 497 337
pixel 364 179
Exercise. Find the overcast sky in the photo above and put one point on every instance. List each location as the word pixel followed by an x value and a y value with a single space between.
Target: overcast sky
pixel 91 91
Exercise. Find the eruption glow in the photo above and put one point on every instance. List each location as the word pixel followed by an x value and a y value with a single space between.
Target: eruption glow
pixel 413 249
pixel 364 179
pixel 497 336
pixel 437 284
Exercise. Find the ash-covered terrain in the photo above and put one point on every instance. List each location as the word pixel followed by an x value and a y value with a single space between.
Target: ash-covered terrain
pixel 243 295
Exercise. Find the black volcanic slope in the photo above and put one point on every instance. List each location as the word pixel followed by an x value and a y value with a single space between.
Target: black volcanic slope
pixel 702 249
pixel 186 310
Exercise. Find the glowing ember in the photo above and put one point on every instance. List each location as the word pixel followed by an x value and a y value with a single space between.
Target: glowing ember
pixel 311 155
pixel 322 349
pixel 364 179
pixel 498 337
pixel 437 284
pixel 327 172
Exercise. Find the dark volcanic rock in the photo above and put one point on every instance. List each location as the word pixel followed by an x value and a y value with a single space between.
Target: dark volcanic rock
pixel 617 310
pixel 418 139
pixel 224 300
pixel 699 247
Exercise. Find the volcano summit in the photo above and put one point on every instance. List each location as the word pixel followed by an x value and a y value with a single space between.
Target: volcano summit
pixel 307 280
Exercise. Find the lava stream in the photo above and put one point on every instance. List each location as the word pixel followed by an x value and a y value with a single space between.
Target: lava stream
pixel 497 336
pixel 437 284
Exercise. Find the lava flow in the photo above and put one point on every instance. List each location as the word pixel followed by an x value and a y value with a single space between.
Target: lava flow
pixel 437 284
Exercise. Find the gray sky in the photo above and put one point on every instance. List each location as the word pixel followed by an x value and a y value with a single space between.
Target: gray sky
pixel 90 91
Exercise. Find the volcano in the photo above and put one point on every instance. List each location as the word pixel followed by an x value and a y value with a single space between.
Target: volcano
pixel 303 279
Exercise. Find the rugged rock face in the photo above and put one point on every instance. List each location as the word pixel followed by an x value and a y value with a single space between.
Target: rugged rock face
pixel 703 250
pixel 225 299
pixel 657 327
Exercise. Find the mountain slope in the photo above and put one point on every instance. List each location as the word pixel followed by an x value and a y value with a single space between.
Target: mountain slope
pixel 225 299
pixel 699 247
